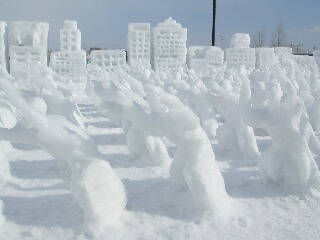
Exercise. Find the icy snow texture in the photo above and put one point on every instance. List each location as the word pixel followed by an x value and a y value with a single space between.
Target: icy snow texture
pixel 169 41
pixel 95 186
pixel 239 40
pixel 290 167
pixel 265 57
pixel 70 37
pixel 204 57
pixel 3 45
pixel 109 60
pixel 139 42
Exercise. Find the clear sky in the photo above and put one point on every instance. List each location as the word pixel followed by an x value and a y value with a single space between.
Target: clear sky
pixel 103 23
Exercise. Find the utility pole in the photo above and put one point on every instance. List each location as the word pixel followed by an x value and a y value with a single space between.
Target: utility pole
pixel 214 22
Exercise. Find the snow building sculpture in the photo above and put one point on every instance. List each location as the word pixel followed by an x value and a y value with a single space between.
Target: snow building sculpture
pixel 70 61
pixel 98 190
pixel 283 53
pixel 70 37
pixel 240 40
pixel 139 42
pixel 239 53
pixel 109 60
pixel 316 55
pixel 204 57
pixel 291 167
pixel 3 45
pixel 265 57
pixel 28 43
pixel 169 49
pixel 2 218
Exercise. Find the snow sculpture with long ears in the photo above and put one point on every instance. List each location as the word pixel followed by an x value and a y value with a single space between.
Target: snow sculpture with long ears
pixel 98 190
pixel 146 147
pixel 288 163
pixel 233 135
pixel 193 169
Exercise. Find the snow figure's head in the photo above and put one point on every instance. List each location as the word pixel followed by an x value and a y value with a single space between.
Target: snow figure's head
pixel 273 92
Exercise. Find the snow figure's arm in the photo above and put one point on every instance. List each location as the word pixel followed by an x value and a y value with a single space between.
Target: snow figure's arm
pixel 253 117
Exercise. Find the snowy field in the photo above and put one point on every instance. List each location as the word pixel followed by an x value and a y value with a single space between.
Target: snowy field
pixel 39 205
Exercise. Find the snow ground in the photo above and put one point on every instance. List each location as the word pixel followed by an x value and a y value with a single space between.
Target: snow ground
pixel 38 204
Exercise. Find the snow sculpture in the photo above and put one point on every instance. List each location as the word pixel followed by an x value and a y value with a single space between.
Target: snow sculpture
pixel 240 40
pixel 239 53
pixel 146 146
pixel 291 167
pixel 69 64
pixel 2 218
pixel 21 55
pixel 109 60
pixel 193 168
pixel 265 57
pixel 95 186
pixel 3 45
pixel 314 112
pixel 70 37
pixel 233 135
pixel 204 57
pixel 29 34
pixel 316 55
pixel 169 45
pixel 139 42
pixel 70 61
pixel 28 43
pixel 283 53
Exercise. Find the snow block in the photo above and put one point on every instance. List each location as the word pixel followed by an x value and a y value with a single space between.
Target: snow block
pixel 21 55
pixel 33 34
pixel 69 64
pixel 236 57
pixel 70 37
pixel 204 57
pixel 240 40
pixel 265 57
pixel 138 42
pixel 283 53
pixel 169 45
pixel 316 55
pixel 110 60
pixel 3 45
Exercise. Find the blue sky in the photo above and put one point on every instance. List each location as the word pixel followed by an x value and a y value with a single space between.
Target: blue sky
pixel 103 23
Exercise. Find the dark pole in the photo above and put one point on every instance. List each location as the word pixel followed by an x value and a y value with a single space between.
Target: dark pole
pixel 214 22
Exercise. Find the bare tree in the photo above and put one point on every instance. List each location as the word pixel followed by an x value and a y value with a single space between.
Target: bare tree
pixel 279 36
pixel 259 39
